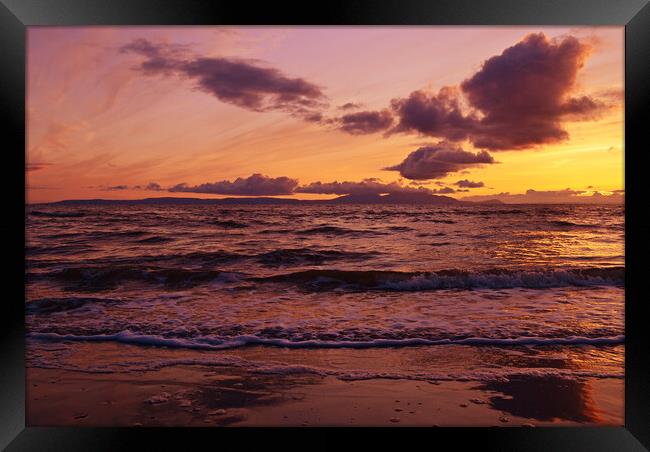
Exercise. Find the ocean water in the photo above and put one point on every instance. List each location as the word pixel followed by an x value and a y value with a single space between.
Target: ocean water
pixel 506 289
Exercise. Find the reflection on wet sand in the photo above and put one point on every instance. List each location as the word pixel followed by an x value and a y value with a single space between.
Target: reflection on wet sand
pixel 275 386
pixel 545 398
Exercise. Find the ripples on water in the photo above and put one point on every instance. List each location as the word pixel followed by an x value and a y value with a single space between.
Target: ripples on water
pixel 219 277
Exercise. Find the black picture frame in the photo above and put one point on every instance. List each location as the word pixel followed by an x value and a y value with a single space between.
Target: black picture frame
pixel 16 15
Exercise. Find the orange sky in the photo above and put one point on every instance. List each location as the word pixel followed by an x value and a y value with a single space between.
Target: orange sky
pixel 96 119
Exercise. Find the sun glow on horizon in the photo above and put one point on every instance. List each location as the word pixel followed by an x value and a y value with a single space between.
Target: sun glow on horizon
pixel 111 110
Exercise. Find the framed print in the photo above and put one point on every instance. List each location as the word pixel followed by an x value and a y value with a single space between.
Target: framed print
pixel 410 217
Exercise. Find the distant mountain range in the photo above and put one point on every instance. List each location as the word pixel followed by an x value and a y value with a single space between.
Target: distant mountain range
pixel 392 198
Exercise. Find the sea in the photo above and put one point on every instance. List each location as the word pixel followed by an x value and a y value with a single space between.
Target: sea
pixel 425 292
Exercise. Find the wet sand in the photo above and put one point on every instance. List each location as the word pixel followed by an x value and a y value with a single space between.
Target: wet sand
pixel 200 395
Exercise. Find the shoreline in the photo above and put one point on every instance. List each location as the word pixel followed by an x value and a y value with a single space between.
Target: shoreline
pixel 200 395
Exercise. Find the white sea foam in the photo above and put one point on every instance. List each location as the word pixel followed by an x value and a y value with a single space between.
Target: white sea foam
pixel 206 343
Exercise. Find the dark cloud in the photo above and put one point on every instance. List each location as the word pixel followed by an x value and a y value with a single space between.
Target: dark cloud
pixel 254 185
pixel 365 122
pixel 153 186
pixel 438 115
pixel 524 94
pixel 364 187
pixel 444 191
pixel 465 183
pixel 245 83
pixel 435 162
pixel 349 106
pixel 116 187
pixel 516 100
pixel 160 58
pixel 553 197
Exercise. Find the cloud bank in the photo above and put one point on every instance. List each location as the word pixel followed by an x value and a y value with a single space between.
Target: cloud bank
pixel 254 185
pixel 369 186
pixel 519 99
pixel 553 197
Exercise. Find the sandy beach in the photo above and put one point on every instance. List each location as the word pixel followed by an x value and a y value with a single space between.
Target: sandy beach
pixel 220 395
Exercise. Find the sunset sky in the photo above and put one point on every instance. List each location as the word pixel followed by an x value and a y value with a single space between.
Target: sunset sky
pixel 135 112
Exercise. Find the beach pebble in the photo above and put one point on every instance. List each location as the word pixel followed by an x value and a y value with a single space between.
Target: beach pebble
pixel 463 405
pixel 81 416
pixel 504 419
pixel 478 401
pixel 218 412
pixel 434 383
pixel 527 425
pixel 394 419
pixel 398 409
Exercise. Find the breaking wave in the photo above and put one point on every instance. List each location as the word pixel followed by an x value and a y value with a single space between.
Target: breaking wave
pixel 206 343
pixel 452 279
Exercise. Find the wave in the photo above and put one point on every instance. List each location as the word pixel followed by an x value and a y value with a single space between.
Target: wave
pixel 229 224
pixel 100 278
pixel 154 240
pixel 36 250
pixel 40 213
pixel 400 228
pixel 432 220
pixel 308 256
pixel 205 343
pixel 570 224
pixel 495 211
pixel 282 368
pixel 131 267
pixel 335 230
pixel 62 304
pixel 451 279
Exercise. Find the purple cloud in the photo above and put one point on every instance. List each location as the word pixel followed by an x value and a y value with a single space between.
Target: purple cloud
pixel 516 100
pixel 524 94
pixel 349 106
pixel 435 162
pixel 254 185
pixel 465 183
pixel 365 122
pixel 153 186
pixel 245 83
pixel 364 187
pixel 437 115
pixel 553 197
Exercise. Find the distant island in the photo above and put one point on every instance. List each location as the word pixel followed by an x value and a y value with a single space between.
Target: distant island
pixel 392 198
